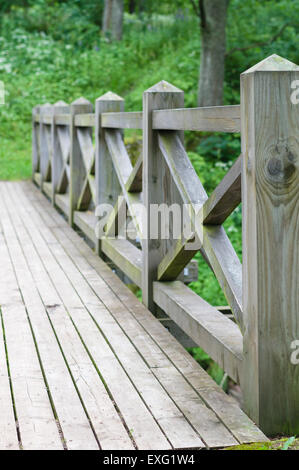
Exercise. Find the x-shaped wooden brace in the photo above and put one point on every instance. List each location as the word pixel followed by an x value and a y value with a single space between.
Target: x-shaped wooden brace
pixel 88 157
pixel 130 180
pixel 214 244
pixel 64 142
pixel 45 143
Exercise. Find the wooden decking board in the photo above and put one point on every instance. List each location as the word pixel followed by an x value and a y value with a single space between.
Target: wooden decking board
pixel 153 356
pixel 140 422
pixel 73 421
pixel 8 425
pixel 38 429
pixel 237 422
pixel 242 428
pixel 104 417
pixel 128 376
pixel 204 420
pixel 159 403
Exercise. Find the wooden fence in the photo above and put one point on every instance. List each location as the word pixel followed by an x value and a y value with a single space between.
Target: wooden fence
pixel 80 161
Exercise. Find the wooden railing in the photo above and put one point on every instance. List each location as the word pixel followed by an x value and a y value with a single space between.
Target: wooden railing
pixel 80 171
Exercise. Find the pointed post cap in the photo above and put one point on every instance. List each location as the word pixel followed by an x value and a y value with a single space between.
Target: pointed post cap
pixel 81 105
pixel 46 108
pixel 110 96
pixel 163 87
pixel 61 107
pixel 273 63
pixel 80 101
pixel 60 103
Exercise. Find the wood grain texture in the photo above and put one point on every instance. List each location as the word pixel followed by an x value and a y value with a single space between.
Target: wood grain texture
pixel 270 181
pixel 225 198
pixel 132 120
pixel 107 184
pixel 77 167
pixel 35 141
pixel 155 344
pixel 85 120
pixel 211 119
pixel 59 157
pixel 162 95
pixel 218 336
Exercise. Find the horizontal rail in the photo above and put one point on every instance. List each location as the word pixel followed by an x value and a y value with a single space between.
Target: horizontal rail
pixel 125 256
pixel 85 120
pixel 62 119
pixel 219 336
pixel 86 221
pixel 131 120
pixel 212 119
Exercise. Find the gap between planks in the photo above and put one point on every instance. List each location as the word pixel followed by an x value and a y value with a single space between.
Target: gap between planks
pixel 242 426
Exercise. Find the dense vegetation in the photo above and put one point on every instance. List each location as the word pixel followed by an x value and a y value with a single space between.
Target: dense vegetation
pixel 54 50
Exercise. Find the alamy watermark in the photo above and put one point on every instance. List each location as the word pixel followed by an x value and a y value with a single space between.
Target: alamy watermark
pixel 295 354
pixel 295 93
pixel 165 222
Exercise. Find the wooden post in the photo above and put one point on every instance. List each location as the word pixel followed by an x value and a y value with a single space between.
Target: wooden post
pixel 270 181
pixel 35 142
pixel 77 169
pixel 61 107
pixel 45 157
pixel 163 95
pixel 107 185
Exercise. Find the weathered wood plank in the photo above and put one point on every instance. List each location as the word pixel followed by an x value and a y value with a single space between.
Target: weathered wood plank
pixel 63 119
pixel 66 402
pixel 60 140
pixel 123 169
pixel 225 198
pixel 125 256
pixel 47 189
pixel 203 417
pixel 270 181
pixel 226 409
pixel 8 429
pixel 177 258
pixel 77 167
pixel 212 331
pixel 131 120
pixel 134 181
pixel 44 144
pixel 210 119
pixel 37 178
pixel 139 420
pixel 35 141
pixel 85 120
pixel 63 202
pixel 38 430
pixel 86 221
pixel 105 419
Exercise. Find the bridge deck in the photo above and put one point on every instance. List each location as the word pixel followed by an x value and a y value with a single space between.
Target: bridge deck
pixel 83 364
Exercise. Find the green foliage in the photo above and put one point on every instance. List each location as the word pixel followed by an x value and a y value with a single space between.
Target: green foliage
pixel 210 366
pixel 278 444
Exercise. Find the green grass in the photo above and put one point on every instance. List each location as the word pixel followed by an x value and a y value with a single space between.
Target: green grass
pixel 277 444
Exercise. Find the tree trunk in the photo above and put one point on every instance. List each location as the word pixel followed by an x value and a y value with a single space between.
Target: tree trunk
pixel 113 18
pixel 213 44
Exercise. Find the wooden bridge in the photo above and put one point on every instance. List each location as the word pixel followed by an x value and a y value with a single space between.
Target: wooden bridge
pixel 85 364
